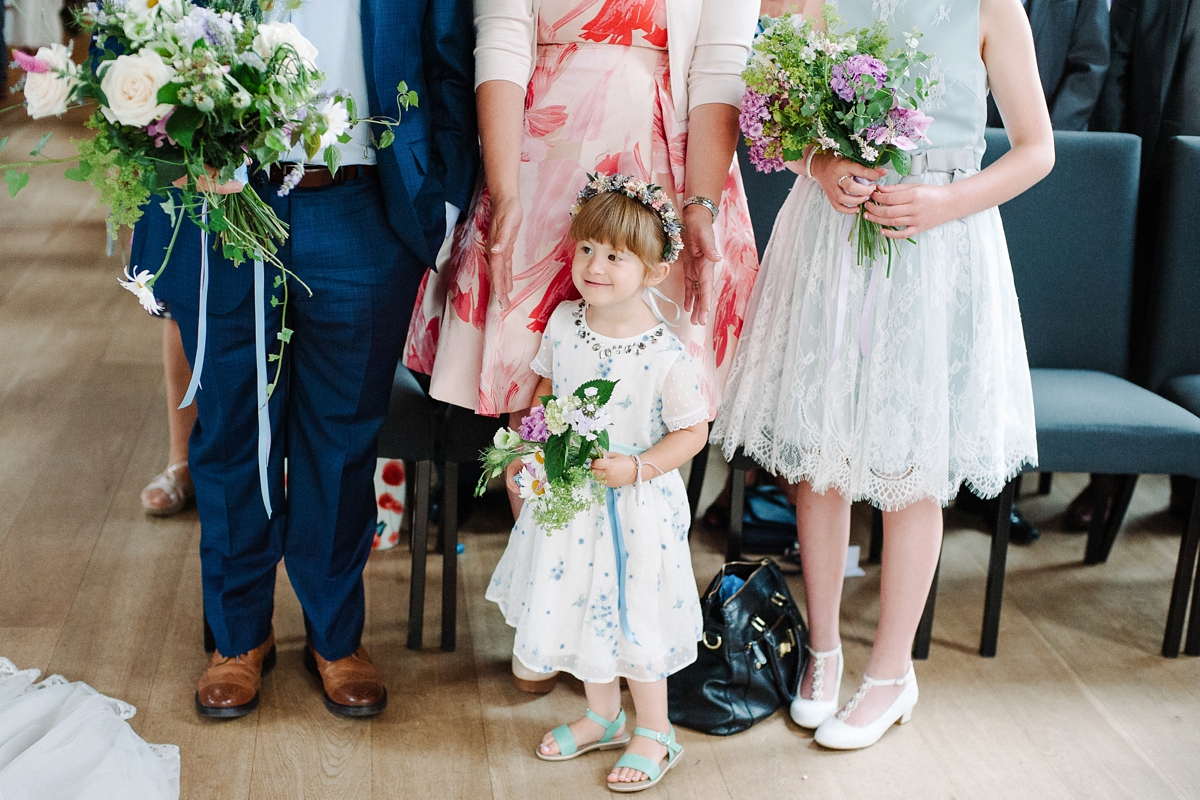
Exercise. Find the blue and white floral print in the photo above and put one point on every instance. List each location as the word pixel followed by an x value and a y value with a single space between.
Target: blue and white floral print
pixel 560 591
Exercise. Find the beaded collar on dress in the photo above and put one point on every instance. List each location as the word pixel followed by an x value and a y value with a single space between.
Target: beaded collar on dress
pixel 607 346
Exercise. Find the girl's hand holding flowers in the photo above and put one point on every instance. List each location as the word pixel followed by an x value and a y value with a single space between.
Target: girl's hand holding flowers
pixel 615 470
pixel 907 209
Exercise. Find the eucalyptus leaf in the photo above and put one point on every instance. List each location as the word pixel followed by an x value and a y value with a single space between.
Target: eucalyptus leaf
pixel 385 139
pixel 37 150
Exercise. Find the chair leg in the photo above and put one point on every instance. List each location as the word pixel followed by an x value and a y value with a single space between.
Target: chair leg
pixel 1185 569
pixel 420 543
pixel 875 554
pixel 210 641
pixel 1044 480
pixel 1103 487
pixel 994 594
pixel 1018 482
pixel 696 480
pixel 924 636
pixel 449 555
pixel 737 507
pixel 1125 484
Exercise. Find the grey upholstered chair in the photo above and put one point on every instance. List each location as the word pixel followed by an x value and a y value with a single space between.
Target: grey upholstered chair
pixel 1173 352
pixel 1071 243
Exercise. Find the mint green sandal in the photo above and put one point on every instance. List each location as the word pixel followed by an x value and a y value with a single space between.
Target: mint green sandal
pixel 568 749
pixel 653 772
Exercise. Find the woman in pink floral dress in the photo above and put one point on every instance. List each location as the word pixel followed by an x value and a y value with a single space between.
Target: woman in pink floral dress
pixel 572 87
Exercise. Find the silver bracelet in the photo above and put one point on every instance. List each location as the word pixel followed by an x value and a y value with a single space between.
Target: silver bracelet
pixel 697 200
pixel 808 163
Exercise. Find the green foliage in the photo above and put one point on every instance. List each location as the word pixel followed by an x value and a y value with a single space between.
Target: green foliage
pixel 37 150
pixel 16 181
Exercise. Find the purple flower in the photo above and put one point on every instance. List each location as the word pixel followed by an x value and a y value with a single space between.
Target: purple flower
pixel 533 427
pixel 763 162
pixel 158 130
pixel 847 78
pixel 908 126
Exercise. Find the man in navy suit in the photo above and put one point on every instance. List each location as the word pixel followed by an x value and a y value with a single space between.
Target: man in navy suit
pixel 361 239
pixel 1071 41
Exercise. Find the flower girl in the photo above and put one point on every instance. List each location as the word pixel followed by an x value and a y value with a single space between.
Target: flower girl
pixel 612 595
pixel 901 393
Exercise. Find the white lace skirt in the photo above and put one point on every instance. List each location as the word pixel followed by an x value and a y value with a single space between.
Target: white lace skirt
pixel 942 399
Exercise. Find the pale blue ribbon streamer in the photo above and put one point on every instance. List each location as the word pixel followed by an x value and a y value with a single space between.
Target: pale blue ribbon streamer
pixel 649 296
pixel 614 521
pixel 260 346
pixel 202 322
pixel 260 364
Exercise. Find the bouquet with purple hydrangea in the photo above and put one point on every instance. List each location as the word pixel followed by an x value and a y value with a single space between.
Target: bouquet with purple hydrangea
pixel 852 93
pixel 556 443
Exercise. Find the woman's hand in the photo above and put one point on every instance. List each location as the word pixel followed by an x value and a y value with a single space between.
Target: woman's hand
pixel 836 176
pixel 911 207
pixel 208 183
pixel 615 470
pixel 502 237
pixel 700 253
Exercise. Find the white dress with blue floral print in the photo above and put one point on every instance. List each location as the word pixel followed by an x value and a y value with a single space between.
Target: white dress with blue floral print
pixel 559 590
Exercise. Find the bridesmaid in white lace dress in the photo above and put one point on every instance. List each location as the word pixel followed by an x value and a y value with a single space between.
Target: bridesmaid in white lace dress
pixel 927 386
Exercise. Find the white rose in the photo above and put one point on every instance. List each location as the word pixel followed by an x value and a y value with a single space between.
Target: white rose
pixel 273 35
pixel 131 85
pixel 47 93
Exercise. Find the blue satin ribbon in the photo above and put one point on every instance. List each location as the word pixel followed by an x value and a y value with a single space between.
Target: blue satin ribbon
pixel 260 346
pixel 202 322
pixel 614 521
pixel 260 364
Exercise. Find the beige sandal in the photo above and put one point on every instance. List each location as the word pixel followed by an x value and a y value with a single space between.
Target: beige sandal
pixel 170 492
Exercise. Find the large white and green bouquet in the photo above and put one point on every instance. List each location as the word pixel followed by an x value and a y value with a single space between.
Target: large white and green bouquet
pixel 852 92
pixel 555 443
pixel 185 96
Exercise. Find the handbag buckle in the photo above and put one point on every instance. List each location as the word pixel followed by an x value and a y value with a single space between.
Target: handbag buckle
pixel 715 646
pixel 778 599
pixel 758 624
pixel 784 648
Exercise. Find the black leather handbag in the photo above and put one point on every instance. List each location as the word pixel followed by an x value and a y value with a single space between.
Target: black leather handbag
pixel 751 655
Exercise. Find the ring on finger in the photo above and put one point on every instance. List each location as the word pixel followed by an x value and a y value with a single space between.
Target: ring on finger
pixel 842 179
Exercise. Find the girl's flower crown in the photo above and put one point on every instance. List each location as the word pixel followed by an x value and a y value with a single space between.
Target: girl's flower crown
pixel 648 194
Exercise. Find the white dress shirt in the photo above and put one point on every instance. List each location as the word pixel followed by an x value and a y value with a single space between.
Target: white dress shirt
pixel 335 29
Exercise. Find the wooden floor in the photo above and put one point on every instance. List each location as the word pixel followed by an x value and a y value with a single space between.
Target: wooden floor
pixel 1078 703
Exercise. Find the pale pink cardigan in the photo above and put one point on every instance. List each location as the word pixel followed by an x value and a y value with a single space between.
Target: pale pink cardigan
pixel 708 43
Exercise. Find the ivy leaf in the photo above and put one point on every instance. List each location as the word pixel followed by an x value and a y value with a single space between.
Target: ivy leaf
pixel 216 219
pixel 183 124
pixel 274 301
pixel 16 181
pixel 604 390
pixel 168 207
pixel 285 335
pixel 80 173
pixel 273 357
pixel 37 150
pixel 385 139
pixel 333 158
pixel 278 281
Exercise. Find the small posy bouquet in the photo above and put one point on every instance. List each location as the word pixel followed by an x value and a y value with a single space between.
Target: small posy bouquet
pixel 556 443
pixel 186 96
pixel 850 93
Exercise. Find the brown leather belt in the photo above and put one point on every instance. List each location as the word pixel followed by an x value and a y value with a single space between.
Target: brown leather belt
pixel 317 177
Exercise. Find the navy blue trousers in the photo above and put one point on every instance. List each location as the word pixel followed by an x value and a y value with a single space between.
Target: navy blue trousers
pixel 325 414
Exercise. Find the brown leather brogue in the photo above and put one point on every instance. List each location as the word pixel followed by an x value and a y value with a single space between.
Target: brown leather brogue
pixel 352 685
pixel 230 685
